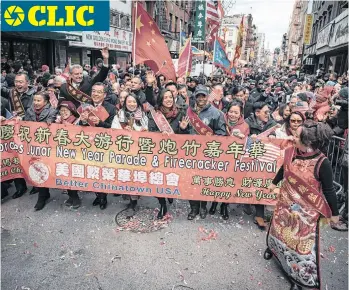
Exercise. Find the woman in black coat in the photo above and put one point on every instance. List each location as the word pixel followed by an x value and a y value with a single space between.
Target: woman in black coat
pixel 177 119
pixel 41 111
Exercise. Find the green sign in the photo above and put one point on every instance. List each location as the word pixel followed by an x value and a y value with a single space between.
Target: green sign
pixel 200 21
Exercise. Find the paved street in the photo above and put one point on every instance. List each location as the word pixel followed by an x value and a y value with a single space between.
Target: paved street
pixel 59 248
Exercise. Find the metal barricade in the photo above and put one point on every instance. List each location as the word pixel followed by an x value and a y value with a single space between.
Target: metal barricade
pixel 335 154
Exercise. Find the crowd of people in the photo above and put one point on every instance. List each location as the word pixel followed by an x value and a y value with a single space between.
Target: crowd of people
pixel 309 109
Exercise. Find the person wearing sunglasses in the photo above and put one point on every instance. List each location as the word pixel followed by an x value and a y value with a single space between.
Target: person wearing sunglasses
pixel 292 122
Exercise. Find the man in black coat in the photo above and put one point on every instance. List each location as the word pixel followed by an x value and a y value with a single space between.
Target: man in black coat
pixel 259 122
pixel 136 88
pixel 98 94
pixel 84 83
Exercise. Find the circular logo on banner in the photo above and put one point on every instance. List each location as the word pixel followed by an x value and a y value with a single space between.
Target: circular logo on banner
pixel 14 15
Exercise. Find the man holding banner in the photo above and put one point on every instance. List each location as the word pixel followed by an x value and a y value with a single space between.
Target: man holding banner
pixel 206 120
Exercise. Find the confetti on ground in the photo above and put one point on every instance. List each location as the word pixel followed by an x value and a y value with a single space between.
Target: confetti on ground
pixel 332 249
pixel 210 234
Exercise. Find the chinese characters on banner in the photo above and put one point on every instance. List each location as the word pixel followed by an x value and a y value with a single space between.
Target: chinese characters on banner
pixel 200 21
pixel 308 26
pixel 187 167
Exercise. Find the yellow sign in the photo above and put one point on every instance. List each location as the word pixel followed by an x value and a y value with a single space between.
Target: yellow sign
pixel 308 28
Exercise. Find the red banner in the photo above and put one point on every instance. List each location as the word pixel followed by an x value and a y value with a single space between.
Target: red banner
pixel 190 167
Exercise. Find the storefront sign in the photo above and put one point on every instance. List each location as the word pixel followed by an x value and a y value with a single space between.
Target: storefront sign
pixel 200 21
pixel 190 167
pixel 340 32
pixel 323 36
pixel 114 39
pixel 308 26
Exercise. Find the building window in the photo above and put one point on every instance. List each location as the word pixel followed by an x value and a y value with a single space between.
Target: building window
pixel 170 24
pixel 181 25
pixel 329 16
pixel 176 24
pixel 186 27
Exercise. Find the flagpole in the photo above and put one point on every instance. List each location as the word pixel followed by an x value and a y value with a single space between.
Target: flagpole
pixel 134 40
pixel 180 36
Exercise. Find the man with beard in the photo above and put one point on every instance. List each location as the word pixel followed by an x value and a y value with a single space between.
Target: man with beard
pixel 256 92
pixel 78 89
pixel 206 120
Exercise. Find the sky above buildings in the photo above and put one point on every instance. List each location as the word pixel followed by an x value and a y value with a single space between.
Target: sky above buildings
pixel 271 17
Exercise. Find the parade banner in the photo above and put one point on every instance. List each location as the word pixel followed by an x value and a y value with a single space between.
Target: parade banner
pixel 190 167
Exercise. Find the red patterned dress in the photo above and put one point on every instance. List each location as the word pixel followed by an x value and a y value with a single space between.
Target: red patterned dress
pixel 293 236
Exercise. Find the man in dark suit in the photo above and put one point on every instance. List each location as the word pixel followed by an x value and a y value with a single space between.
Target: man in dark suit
pixel 98 94
pixel 178 98
pixel 83 83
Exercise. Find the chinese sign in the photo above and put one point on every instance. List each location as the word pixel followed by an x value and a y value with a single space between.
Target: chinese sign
pixel 308 26
pixel 114 39
pixel 323 36
pixel 340 31
pixel 115 161
pixel 200 21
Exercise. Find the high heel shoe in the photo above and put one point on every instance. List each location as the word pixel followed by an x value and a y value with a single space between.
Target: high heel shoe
pixel 213 208
pixel 162 211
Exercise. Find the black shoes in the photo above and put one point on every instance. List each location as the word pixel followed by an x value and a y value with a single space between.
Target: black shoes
pixel 101 201
pixel 162 212
pixel 33 190
pixel 213 208
pixel 193 213
pixel 224 211
pixel 73 202
pixel 203 212
pixel 41 202
pixel 19 193
pixel 247 209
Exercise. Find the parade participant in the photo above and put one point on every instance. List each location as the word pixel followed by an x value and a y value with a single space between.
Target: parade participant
pixel 192 85
pixel 206 120
pixel 236 126
pixel 218 101
pixel 307 193
pixel 291 124
pixel 20 100
pixel 122 97
pixel 161 81
pixel 257 91
pixel 281 113
pixel 259 122
pixel 41 111
pixel 167 118
pixel 186 94
pixel 67 113
pixel 98 94
pixel 179 100
pixel 78 89
pixel 136 89
pixel 131 117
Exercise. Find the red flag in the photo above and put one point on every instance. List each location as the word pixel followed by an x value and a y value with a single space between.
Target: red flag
pixel 149 46
pixel 184 63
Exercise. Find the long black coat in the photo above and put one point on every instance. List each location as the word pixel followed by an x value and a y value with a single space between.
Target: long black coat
pixel 85 86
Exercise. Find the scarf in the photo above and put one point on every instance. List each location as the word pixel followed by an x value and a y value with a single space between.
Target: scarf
pixel 169 113
pixel 38 112
pixel 70 120
pixel 137 115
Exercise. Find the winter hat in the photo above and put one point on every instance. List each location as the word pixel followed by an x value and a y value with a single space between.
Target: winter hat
pixel 44 67
pixel 69 105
